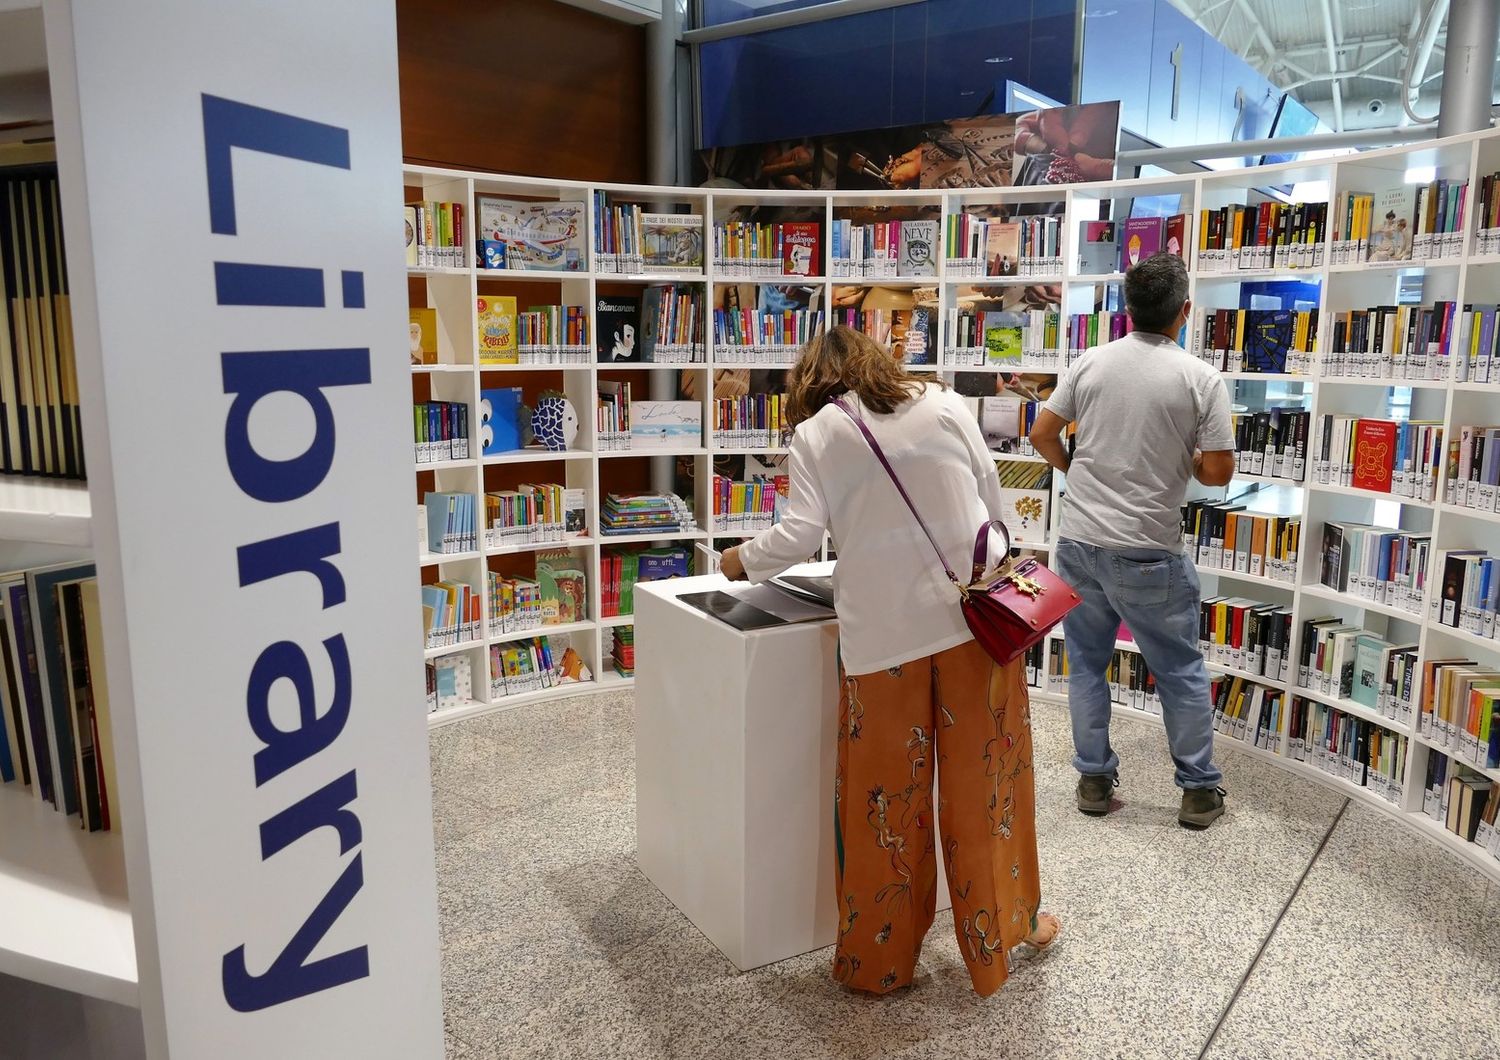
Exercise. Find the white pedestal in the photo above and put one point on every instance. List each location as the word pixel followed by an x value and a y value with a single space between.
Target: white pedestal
pixel 735 754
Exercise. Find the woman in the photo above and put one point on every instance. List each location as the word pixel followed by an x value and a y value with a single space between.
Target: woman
pixel 916 688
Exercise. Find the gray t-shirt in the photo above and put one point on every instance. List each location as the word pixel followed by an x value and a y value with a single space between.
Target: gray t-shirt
pixel 1142 405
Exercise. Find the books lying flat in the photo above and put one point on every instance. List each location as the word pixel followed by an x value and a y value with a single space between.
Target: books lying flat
pixel 817 590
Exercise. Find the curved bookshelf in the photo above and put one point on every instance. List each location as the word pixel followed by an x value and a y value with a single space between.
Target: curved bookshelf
pixel 1469 277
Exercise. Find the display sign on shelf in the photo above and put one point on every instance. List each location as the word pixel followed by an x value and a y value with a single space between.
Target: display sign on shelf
pixel 285 890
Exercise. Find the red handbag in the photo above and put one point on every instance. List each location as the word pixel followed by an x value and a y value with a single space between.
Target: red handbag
pixel 1009 608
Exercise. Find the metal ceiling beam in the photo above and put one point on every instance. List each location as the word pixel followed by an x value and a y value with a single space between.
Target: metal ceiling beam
pixel 797 17
pixel 1333 66
pixel 1160 156
pixel 1363 70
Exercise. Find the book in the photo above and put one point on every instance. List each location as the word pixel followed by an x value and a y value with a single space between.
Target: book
pixel 497 330
pixel 670 425
pixel 802 250
pixel 92 801
pixel 1374 449
pixel 672 242
pixel 617 325
pixel 1177 235
pixel 500 426
pixel 1099 249
pixel 1003 336
pixel 423 336
pixel 531 236
pixel 22 650
pixel 918 253
pixel 1391 227
pixel 51 670
pixel 409 222
pixel 93 635
pixel 1003 248
pixel 1142 238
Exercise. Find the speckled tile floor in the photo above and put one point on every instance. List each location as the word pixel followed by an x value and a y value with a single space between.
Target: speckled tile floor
pixel 555 945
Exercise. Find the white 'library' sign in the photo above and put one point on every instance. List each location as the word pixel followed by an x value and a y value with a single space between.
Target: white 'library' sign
pixel 238 285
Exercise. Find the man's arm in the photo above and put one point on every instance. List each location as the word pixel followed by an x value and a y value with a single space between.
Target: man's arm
pixel 1046 436
pixel 1214 468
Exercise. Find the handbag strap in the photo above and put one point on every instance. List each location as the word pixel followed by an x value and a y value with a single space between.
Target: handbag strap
pixel 981 550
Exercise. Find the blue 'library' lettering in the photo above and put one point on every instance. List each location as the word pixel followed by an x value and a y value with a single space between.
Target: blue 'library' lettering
pixel 304 373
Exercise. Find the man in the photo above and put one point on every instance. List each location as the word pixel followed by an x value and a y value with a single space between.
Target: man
pixel 1149 415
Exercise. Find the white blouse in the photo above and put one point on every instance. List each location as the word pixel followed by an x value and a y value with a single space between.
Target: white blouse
pixel 894 602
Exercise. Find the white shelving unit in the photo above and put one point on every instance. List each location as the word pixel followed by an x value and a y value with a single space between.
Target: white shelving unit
pixel 1469 278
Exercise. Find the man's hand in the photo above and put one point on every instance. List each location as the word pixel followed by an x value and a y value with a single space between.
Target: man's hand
pixel 1046 438
pixel 730 565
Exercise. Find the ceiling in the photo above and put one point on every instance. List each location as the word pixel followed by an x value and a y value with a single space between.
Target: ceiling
pixel 1346 59
pixel 24 93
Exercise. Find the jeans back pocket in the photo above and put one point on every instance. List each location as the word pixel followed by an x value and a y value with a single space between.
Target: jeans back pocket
pixel 1143 577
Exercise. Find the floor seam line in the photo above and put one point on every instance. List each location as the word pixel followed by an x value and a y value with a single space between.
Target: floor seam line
pixel 1270 934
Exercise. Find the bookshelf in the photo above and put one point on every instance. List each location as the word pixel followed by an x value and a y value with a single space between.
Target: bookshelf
pixel 1469 276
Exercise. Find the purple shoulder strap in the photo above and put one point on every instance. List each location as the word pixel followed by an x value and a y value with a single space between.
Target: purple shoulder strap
pixel 981 553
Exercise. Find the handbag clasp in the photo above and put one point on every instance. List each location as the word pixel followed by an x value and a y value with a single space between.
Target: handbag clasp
pixel 1024 585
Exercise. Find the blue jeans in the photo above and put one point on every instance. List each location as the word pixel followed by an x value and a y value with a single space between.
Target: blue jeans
pixel 1156 593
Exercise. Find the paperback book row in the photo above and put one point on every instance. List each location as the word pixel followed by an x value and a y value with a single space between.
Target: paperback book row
pixel 542 335
pixel 1267 235
pixel 1462 801
pixel 1460 711
pixel 747 507
pixel 1263 341
pixel 434 235
pixel 1421 221
pixel 1470 596
pixel 446 523
pixel 531 236
pixel 907 331
pixel 768 249
pixel 623 514
pixel 622 650
pixel 556 595
pixel 630 240
pixel 451 613
pixel 1252 637
pixel 1010 339
pixel 1036 657
pixel 1115 246
pixel 1348 747
pixel 41 431
pixel 883 249
pixel 763 336
pixel 977 247
pixel 533 514
pixel 1087 330
pixel 1410 342
pixel 1006 422
pixel 533 665
pixel 1272 443
pixel 56 730
pixel 755 421
pixel 1248 711
pixel 440 431
pixel 1126 672
pixel 1401 458
pixel 1346 661
pixel 1474 469
pixel 1487 215
pixel 625 425
pixel 1377 563
pixel 621 569
pixel 1222 535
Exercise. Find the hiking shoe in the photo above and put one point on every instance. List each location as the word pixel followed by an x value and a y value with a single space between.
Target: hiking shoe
pixel 1094 793
pixel 1201 807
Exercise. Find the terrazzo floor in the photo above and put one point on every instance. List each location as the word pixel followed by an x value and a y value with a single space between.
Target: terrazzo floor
pixel 1177 944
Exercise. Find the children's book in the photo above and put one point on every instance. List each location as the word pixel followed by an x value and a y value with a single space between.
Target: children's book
pixel 802 251
pixel 497 330
pixel 423 336
pixel 617 322
pixel 546 236
pixel 672 242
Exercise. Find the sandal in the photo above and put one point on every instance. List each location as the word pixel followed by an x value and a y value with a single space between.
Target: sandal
pixel 1048 929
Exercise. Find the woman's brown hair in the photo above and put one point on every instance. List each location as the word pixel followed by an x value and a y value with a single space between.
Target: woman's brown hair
pixel 847 361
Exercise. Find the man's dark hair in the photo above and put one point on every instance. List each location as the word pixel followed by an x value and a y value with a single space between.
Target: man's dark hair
pixel 1155 290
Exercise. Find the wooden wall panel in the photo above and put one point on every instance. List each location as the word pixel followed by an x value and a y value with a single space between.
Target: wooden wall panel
pixel 522 86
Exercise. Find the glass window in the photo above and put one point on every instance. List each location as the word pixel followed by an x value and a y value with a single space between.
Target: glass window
pixel 899 66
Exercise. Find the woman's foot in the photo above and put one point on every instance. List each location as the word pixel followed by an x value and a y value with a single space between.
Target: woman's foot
pixel 1048 928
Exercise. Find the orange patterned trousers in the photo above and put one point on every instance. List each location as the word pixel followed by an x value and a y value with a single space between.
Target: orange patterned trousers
pixel 960 709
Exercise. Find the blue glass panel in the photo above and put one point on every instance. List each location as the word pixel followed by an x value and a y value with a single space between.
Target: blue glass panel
pixel 718 12
pixel 922 62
